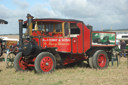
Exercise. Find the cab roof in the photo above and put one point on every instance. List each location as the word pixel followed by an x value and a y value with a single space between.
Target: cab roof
pixel 56 20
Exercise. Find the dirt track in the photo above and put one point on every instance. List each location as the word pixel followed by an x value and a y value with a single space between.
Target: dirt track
pixel 11 36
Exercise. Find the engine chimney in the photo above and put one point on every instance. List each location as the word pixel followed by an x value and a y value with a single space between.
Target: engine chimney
pixel 20 32
pixel 29 24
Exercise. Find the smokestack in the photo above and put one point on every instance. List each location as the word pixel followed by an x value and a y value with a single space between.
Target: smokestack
pixel 20 32
pixel 30 24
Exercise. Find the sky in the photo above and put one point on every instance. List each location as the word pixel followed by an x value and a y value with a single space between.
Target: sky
pixel 101 14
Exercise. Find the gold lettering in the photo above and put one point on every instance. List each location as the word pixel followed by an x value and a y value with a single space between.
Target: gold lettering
pixel 50 43
pixel 63 43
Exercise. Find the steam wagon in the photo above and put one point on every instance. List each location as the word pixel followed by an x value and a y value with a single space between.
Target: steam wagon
pixel 50 42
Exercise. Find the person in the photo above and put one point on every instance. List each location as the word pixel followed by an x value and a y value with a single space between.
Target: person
pixel 123 47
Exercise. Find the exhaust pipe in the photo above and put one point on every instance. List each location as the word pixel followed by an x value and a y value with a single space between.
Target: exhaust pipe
pixel 30 24
pixel 20 33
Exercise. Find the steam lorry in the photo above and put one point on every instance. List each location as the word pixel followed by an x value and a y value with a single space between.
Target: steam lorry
pixel 50 42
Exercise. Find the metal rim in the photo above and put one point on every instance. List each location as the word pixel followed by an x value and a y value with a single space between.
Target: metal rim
pixel 46 63
pixel 101 60
pixel 22 64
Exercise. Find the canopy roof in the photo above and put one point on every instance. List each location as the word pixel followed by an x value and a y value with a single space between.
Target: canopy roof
pixel 3 21
pixel 55 20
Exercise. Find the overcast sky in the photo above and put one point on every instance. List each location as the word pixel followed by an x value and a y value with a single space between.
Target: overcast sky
pixel 98 13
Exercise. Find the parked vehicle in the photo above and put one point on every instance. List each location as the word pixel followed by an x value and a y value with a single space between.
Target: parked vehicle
pixel 1 46
pixel 50 42
pixel 8 46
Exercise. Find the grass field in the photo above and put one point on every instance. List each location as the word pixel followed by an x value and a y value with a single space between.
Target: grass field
pixel 77 75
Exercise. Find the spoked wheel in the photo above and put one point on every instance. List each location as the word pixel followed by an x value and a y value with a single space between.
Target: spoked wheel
pixel 9 60
pixel 45 62
pixel 100 59
pixel 20 63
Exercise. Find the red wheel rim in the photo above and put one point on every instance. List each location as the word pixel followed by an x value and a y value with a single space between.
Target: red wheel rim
pixel 22 64
pixel 101 60
pixel 46 64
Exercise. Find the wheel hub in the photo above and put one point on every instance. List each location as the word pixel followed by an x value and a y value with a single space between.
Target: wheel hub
pixel 101 60
pixel 46 64
pixel 22 64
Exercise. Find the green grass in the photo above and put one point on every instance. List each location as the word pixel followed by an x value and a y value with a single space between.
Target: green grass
pixel 77 75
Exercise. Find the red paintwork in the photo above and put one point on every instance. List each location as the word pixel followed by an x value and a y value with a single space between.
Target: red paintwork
pixel 87 38
pixel 30 65
pixel 75 58
pixel 22 64
pixel 80 38
pixel 65 46
pixel 62 44
pixel 46 63
pixel 74 45
pixel 77 46
pixel 37 33
pixel 101 60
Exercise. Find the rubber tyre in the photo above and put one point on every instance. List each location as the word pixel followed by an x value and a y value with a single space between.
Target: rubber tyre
pixel 104 61
pixel 16 62
pixel 90 62
pixel 38 63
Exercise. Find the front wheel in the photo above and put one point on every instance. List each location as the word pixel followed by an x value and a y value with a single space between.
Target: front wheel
pixel 100 59
pixel 20 62
pixel 45 62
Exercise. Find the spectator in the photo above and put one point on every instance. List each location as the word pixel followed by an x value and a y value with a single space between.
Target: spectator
pixel 122 47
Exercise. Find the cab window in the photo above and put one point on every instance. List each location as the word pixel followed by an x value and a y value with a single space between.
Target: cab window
pixel 49 27
pixel 74 30
pixel 58 27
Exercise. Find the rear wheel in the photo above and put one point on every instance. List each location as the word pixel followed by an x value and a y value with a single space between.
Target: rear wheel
pixel 45 62
pixel 100 59
pixel 90 62
pixel 20 63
